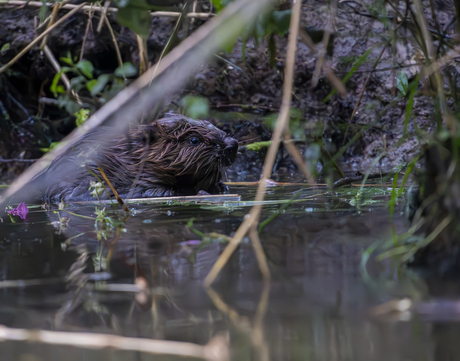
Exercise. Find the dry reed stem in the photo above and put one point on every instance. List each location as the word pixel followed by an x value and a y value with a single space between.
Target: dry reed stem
pixel 165 47
pixel 48 53
pixel 297 157
pixel 330 75
pixel 104 14
pixel 431 57
pixel 83 44
pixel 258 337
pixel 161 14
pixel 320 60
pixel 365 83
pixel 216 349
pixel 220 304
pixel 38 38
pixel 143 54
pixel 260 255
pixel 242 322
pixel 54 15
pixel 334 79
pixel 252 218
pixel 114 39
pixel 194 10
pixel 119 200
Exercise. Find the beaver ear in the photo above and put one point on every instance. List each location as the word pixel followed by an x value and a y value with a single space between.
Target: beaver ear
pixel 150 133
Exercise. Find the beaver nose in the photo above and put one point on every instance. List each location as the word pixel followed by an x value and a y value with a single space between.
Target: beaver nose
pixel 230 150
pixel 231 145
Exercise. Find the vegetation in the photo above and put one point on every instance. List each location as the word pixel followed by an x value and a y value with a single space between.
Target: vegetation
pixel 361 100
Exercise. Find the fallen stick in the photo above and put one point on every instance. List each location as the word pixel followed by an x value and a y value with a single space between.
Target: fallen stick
pixel 204 198
pixel 216 349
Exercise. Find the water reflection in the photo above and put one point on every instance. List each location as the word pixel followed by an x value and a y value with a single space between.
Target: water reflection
pixel 144 279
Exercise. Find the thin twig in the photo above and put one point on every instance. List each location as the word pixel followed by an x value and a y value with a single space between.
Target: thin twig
pixel 281 125
pixel 161 14
pixel 194 10
pixel 104 14
pixel 436 77
pixel 365 83
pixel 261 260
pixel 166 47
pixel 114 39
pixel 54 15
pixel 297 157
pixel 40 37
pixel 322 53
pixel 48 53
pixel 83 44
pixel 115 193
pixel 143 55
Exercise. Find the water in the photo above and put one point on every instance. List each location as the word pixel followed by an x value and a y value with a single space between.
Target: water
pixel 62 273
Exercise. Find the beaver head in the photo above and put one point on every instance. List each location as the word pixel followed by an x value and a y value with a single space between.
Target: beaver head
pixel 171 156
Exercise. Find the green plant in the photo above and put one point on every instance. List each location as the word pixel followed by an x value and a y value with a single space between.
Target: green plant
pixel 274 22
pixel 84 82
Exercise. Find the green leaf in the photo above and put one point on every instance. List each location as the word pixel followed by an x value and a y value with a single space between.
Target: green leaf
pixel 86 68
pixel 81 116
pixel 55 88
pixel 279 22
pixel 402 83
pixel 220 4
pixel 271 45
pixel 78 80
pixel 43 11
pixel 126 70
pixel 195 107
pixel 137 19
pixel 68 60
pixel 355 67
pixel 258 145
pixel 410 103
pixel 52 145
pixel 5 48
pixel 71 106
pixel 96 86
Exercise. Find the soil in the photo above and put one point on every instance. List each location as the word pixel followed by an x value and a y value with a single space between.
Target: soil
pixel 237 91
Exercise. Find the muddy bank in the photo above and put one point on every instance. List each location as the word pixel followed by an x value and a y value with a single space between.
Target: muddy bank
pixel 236 89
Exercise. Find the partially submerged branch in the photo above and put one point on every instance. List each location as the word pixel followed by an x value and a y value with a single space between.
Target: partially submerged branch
pixel 215 350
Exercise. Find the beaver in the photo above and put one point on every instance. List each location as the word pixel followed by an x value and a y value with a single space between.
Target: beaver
pixel 173 156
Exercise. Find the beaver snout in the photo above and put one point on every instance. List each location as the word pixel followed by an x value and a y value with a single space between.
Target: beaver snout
pixel 230 151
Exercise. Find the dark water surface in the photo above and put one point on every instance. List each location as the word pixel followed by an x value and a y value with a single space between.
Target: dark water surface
pixel 320 305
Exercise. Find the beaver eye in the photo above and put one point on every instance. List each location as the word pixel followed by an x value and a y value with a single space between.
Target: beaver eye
pixel 194 141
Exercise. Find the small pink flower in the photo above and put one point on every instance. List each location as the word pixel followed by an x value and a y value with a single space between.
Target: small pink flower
pixel 190 243
pixel 21 211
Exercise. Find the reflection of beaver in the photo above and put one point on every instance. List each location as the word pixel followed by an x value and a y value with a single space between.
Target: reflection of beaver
pixel 171 156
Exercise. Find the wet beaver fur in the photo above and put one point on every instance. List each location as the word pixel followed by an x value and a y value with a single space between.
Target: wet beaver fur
pixel 175 155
